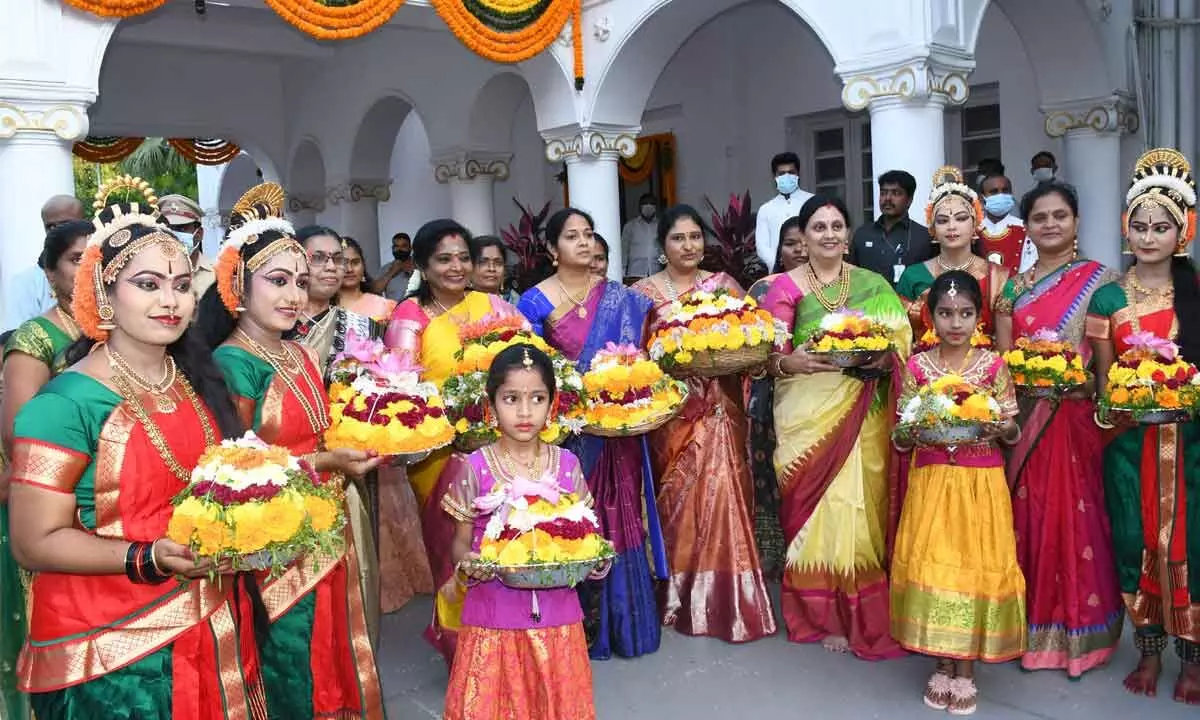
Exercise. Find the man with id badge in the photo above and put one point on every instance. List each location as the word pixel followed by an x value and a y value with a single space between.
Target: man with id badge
pixel 894 241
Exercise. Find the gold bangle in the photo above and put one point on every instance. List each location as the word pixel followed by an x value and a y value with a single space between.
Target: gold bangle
pixel 1015 440
pixel 1100 423
pixel 154 559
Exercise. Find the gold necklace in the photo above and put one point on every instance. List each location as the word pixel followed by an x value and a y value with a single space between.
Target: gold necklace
pixel 153 433
pixel 818 288
pixel 1164 294
pixel 945 368
pixel 158 390
pixel 318 418
pixel 577 302
pixel 531 466
pixel 672 292
pixel 68 323
pixel 970 261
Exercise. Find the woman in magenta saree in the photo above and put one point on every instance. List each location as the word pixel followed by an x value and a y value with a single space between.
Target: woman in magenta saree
pixel 620 612
pixel 1064 541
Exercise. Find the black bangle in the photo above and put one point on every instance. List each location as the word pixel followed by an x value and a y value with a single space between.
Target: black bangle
pixel 147 567
pixel 131 563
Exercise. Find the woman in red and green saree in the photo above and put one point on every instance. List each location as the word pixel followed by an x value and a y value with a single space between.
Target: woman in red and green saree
pixel 1152 473
pixel 33 355
pixel 317 658
pixel 705 495
pixel 838 504
pixel 427 325
pixel 125 623
pixel 953 216
pixel 1056 470
pixel 579 313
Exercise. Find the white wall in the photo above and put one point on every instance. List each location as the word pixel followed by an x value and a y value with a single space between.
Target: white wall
pixel 730 88
pixel 416 196
pixel 531 176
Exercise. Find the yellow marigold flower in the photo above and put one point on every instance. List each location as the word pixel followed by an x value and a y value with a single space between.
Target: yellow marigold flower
pixel 212 536
pixel 684 357
pixel 322 513
pixel 1015 358
pixel 1146 368
pixel 282 519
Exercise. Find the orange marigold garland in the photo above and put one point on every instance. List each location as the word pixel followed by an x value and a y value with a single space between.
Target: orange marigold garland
pixel 205 151
pixel 116 8
pixel 105 149
pixel 84 305
pixel 226 269
pixel 511 31
pixel 326 22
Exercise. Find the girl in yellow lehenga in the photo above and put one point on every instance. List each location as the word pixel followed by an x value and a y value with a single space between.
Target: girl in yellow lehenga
pixel 427 324
pixel 957 590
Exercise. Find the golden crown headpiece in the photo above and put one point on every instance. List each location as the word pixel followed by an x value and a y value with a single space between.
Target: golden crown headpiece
pixel 1162 177
pixel 948 182
pixel 260 210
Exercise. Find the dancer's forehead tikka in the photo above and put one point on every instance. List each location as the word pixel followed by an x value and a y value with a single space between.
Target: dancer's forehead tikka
pixel 527 361
pixel 953 291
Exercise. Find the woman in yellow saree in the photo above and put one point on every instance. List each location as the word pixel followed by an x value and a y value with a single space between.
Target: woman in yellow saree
pixel 427 324
pixel 838 502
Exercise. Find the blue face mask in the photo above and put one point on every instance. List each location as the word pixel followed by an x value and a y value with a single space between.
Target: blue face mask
pixel 787 183
pixel 998 205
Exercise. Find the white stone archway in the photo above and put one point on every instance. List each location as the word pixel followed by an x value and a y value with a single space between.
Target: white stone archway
pixel 306 184
pixel 240 174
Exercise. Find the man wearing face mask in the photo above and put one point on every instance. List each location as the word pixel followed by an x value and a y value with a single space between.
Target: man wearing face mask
pixel 1043 167
pixel 639 241
pixel 393 281
pixel 785 168
pixel 182 216
pixel 1002 237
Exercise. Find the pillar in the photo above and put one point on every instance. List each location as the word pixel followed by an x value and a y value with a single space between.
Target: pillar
pixel 591 156
pixel 472 177
pixel 302 209
pixel 208 184
pixel 357 206
pixel 35 164
pixel 1091 130
pixel 906 101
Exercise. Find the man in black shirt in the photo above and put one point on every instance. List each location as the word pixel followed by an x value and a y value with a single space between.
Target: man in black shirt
pixel 894 241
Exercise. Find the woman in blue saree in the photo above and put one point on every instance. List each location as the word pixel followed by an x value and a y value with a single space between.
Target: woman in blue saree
pixel 579 313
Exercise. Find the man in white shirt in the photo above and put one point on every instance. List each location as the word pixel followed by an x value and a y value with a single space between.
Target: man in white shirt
pixel 1002 238
pixel 639 242
pixel 29 294
pixel 789 198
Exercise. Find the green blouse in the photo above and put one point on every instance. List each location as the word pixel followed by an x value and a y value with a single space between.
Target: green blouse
pixel 43 340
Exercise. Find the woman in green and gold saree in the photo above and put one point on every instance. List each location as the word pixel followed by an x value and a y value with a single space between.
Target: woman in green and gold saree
pixel 833 454
pixel 1152 472
pixel 33 355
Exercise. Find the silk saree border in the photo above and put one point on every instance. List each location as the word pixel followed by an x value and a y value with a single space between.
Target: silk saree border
pixel 46 466
pixel 55 664
pixel 110 462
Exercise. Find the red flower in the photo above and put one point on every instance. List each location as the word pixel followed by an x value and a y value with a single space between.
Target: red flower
pixel 1159 376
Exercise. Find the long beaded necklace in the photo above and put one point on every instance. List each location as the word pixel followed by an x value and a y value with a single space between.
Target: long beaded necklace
pixel 68 322
pixel 579 302
pixel 672 293
pixel 124 378
pixel 286 365
pixel 818 288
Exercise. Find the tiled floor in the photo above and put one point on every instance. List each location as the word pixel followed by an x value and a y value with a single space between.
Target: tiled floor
pixel 700 679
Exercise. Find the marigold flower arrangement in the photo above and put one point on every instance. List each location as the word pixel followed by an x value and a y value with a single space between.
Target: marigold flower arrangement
pixel 946 405
pixel 1044 360
pixel 929 340
pixel 714 333
pixel 627 393
pixel 257 505
pixel 378 403
pixel 1151 377
pixel 850 331
pixel 465 392
pixel 536 523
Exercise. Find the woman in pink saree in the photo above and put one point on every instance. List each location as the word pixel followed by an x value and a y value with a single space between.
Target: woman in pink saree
pixel 701 464
pixel 620 613
pixel 1064 541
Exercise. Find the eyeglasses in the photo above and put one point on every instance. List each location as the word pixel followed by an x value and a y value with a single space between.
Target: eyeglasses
pixel 320 259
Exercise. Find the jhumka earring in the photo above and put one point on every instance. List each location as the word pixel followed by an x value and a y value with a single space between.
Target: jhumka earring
pixel 104 308
pixel 662 258
pixel 488 420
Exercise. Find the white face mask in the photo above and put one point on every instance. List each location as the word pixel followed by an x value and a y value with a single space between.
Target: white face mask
pixel 1043 174
pixel 188 239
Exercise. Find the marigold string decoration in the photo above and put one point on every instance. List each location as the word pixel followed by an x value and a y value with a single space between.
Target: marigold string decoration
pixel 511 31
pixel 116 8
pixel 106 149
pixel 336 19
pixel 205 151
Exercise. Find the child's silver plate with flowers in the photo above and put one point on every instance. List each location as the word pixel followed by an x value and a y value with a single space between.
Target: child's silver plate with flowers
pixel 547 575
pixel 849 358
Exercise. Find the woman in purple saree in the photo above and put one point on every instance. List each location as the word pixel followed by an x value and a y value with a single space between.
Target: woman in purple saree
pixel 578 314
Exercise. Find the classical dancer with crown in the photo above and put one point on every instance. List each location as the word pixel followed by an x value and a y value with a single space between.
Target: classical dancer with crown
pixel 1152 472
pixel 317 657
pixel 953 215
pixel 127 623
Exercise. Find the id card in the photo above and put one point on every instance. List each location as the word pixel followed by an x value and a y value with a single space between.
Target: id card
pixel 897 271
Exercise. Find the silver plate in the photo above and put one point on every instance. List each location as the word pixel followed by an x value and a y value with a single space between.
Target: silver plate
pixel 1046 393
pixel 1153 417
pixel 849 358
pixel 948 435
pixel 548 575
pixel 260 560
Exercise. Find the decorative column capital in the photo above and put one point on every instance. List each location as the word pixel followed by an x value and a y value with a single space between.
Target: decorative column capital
pixel 1116 113
pixel 591 142
pixel 59 120
pixel 301 202
pixel 938 80
pixel 469 166
pixel 353 191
